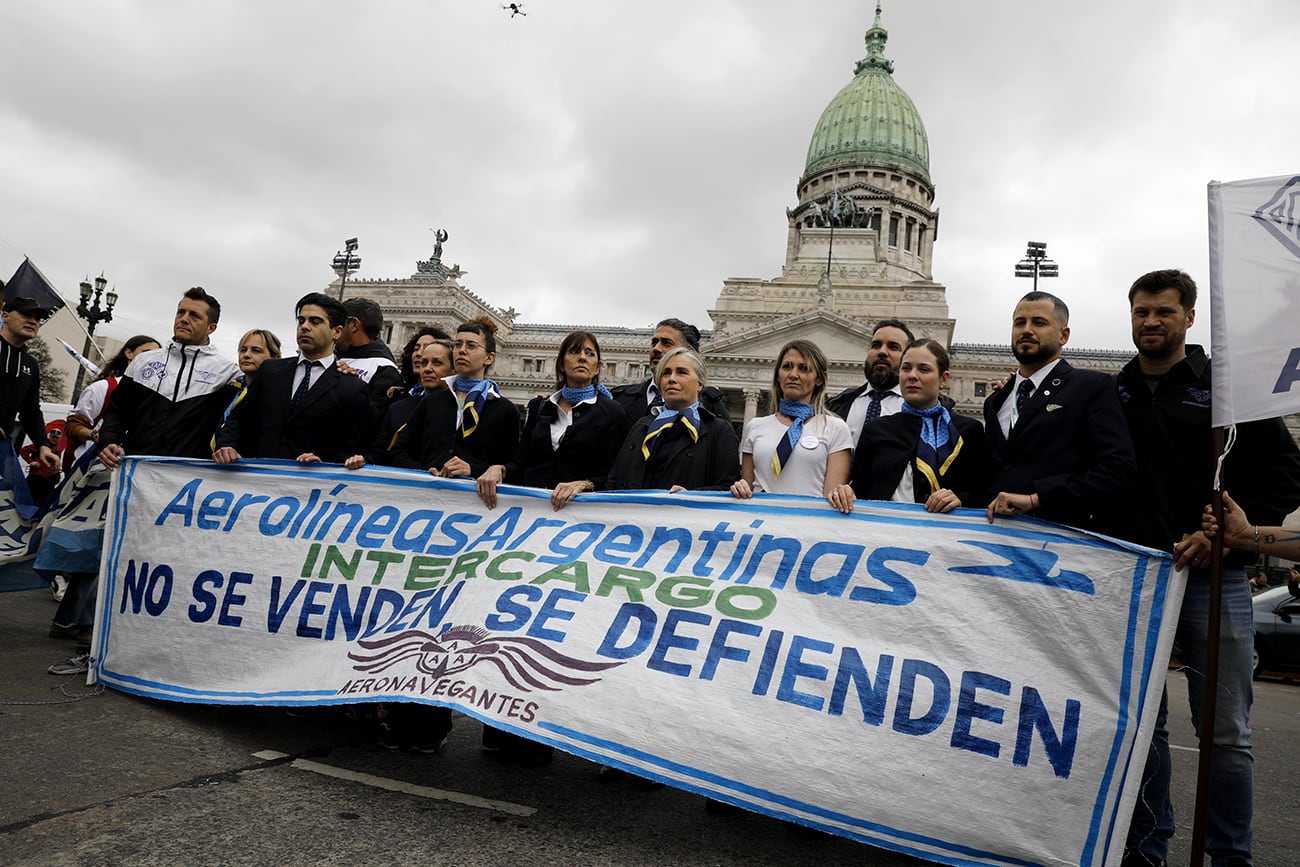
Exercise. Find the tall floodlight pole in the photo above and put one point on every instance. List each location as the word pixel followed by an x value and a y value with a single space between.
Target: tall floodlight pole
pixel 93 314
pixel 345 263
pixel 1036 264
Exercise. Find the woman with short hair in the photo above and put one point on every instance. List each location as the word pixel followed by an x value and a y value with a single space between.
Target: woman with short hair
pixel 800 448
pixel 685 447
pixel 925 453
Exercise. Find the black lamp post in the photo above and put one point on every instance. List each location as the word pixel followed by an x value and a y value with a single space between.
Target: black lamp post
pixel 1036 264
pixel 346 263
pixel 93 314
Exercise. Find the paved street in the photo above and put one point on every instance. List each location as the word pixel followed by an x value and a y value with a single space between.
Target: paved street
pixel 114 779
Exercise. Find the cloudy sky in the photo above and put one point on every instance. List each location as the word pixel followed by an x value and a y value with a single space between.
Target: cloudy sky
pixel 613 162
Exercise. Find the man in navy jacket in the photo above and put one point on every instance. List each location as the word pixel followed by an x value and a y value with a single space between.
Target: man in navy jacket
pixel 1060 446
pixel 301 408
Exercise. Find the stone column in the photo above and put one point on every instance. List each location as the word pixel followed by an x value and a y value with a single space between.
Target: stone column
pixel 751 404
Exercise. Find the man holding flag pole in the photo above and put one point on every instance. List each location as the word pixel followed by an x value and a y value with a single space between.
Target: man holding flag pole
pixel 1166 390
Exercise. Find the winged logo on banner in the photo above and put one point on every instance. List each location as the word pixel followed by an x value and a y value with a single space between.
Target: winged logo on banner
pixel 526 663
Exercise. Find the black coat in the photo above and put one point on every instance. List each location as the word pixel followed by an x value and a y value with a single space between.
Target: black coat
pixel 331 421
pixel 712 464
pixel 1071 446
pixel 632 398
pixel 432 436
pixel 399 413
pixel 586 451
pixel 887 449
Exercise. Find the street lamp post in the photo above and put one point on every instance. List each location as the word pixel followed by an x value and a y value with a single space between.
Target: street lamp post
pixel 93 314
pixel 345 263
pixel 1036 264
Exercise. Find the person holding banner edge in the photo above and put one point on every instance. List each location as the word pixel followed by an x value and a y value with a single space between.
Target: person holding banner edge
pixel 1165 391
pixel 685 447
pixel 76 614
pixel 170 400
pixel 924 454
pixel 1057 435
pixel 571 438
pixel 800 448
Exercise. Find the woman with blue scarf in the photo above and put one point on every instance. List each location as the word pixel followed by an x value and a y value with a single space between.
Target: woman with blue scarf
pixel 467 427
pixel 427 344
pixel 800 448
pixel 926 453
pixel 570 438
pixel 683 447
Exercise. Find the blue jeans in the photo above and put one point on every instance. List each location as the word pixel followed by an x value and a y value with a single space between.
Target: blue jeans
pixel 1232 772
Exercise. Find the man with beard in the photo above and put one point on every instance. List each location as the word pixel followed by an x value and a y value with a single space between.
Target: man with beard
pixel 640 399
pixel 1060 446
pixel 1165 392
pixel 880 395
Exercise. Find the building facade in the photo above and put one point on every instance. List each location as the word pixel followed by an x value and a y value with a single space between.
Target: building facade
pixel 859 249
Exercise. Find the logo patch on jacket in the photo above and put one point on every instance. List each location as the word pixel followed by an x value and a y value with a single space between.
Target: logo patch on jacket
pixel 154 370
pixel 1199 397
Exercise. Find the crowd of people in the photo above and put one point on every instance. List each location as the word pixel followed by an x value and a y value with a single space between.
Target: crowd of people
pixel 1127 455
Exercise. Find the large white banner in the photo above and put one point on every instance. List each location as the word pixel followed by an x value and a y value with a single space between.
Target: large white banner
pixel 1254 296
pixel 933 684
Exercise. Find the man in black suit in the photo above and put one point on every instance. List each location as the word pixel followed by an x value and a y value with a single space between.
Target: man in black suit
pixel 301 408
pixel 880 395
pixel 640 399
pixel 1060 445
pixel 361 352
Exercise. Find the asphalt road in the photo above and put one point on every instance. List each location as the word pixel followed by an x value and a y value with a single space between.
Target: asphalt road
pixel 108 778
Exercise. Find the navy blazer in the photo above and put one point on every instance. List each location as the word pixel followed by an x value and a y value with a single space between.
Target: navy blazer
pixel 887 449
pixel 711 464
pixel 331 421
pixel 586 451
pixel 1071 446
pixel 432 437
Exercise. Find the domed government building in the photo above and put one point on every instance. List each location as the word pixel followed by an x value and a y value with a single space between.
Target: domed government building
pixel 859 249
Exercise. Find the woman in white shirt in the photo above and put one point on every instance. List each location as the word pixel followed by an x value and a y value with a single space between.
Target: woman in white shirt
pixel 801 448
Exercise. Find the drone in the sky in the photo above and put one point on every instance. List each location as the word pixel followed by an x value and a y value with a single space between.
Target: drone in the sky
pixel 515 9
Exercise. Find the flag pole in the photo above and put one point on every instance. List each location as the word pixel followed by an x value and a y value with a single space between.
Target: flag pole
pixel 1210 696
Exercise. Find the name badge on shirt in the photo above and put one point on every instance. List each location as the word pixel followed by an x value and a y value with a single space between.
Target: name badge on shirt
pixel 808 441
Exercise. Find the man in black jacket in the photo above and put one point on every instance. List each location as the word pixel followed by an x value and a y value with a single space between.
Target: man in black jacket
pixel 301 408
pixel 1061 449
pixel 1166 394
pixel 360 348
pixel 640 399
pixel 20 376
pixel 880 395
pixel 170 400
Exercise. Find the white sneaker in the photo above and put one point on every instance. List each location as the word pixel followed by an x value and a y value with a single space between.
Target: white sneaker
pixel 58 586
pixel 78 664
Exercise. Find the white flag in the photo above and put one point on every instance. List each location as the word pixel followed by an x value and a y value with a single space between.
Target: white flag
pixel 1254 295
pixel 81 359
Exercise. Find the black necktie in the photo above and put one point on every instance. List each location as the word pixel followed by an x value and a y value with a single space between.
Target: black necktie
pixel 875 398
pixel 656 402
pixel 301 391
pixel 1023 394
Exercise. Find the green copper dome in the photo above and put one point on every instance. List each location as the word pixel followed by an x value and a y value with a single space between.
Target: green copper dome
pixel 871 121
